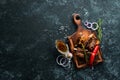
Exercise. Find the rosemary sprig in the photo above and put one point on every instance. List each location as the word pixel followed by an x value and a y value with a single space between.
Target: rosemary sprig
pixel 85 54
pixel 99 31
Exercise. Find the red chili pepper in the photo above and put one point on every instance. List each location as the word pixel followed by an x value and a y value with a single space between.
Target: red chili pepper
pixel 92 57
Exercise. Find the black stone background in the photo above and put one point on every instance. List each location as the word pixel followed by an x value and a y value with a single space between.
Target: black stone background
pixel 29 28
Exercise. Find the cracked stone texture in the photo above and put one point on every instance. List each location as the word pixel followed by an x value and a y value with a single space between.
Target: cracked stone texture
pixel 29 28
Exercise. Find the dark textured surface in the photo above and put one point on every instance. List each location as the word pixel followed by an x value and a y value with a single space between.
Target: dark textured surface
pixel 29 28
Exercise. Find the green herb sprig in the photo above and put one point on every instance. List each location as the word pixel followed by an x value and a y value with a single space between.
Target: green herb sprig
pixel 85 54
pixel 99 31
